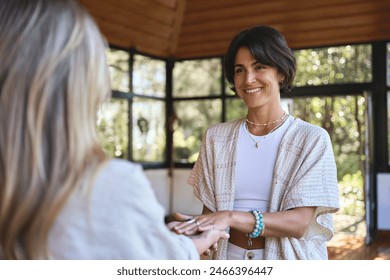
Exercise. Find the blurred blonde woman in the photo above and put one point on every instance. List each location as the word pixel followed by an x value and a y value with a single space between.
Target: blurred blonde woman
pixel 61 197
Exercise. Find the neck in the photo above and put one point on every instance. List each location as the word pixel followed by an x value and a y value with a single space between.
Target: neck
pixel 265 121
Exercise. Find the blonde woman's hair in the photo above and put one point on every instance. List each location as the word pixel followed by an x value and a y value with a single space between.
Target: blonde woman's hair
pixel 53 78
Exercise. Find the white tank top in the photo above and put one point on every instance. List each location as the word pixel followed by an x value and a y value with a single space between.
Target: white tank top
pixel 254 169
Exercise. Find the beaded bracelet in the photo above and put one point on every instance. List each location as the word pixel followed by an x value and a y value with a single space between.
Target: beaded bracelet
pixel 259 225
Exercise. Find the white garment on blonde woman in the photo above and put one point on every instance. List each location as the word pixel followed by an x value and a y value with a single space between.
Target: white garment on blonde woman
pixel 119 219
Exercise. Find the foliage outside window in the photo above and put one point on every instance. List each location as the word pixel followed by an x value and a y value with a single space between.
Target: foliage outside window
pixel 235 109
pixel 194 117
pixel 228 90
pixel 113 128
pixel 388 123
pixel 118 62
pixel 334 65
pixel 149 136
pixel 344 119
pixel 193 78
pixel 388 64
pixel 149 76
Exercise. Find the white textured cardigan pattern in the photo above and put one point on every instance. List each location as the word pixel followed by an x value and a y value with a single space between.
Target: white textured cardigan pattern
pixel 304 175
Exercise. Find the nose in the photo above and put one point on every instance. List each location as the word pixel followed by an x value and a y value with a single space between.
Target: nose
pixel 250 77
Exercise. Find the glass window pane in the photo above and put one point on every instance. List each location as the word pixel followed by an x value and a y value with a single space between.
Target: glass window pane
pixel 388 64
pixel 344 119
pixel 235 109
pixel 149 76
pixel 388 124
pixel 334 65
pixel 118 62
pixel 149 136
pixel 113 127
pixel 194 117
pixel 197 78
pixel 228 90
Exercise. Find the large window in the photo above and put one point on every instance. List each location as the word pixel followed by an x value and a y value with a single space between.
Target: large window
pixel 388 65
pixel 118 61
pixel 149 137
pixel 133 125
pixel 197 92
pixel 149 76
pixel 113 128
pixel 344 119
pixel 388 99
pixel 193 78
pixel 334 65
pixel 194 117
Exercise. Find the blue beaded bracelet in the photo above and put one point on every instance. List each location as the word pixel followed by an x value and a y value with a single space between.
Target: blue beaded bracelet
pixel 259 225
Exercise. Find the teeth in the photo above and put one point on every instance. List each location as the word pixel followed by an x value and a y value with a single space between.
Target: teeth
pixel 253 90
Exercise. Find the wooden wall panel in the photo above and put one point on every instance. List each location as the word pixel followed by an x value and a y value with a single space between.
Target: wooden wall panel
pixel 296 15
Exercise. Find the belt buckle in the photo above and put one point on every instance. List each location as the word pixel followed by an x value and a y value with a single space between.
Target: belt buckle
pixel 250 255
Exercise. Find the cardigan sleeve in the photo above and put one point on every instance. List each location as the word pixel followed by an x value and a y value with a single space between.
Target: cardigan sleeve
pixel 201 177
pixel 313 182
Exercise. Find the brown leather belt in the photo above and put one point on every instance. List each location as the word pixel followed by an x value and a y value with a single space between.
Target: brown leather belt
pixel 240 239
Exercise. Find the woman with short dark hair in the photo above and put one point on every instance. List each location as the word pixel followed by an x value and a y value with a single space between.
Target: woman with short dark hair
pixel 269 179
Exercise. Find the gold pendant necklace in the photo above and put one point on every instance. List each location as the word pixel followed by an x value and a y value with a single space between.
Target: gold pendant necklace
pixel 257 143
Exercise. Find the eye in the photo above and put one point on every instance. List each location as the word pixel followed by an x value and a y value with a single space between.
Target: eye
pixel 238 70
pixel 259 67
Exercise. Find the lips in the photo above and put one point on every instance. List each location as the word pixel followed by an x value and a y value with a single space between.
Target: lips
pixel 253 90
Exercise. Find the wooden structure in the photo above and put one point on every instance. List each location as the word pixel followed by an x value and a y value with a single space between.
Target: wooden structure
pixel 203 28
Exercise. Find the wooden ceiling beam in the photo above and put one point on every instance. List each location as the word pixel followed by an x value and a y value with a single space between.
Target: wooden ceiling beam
pixel 174 40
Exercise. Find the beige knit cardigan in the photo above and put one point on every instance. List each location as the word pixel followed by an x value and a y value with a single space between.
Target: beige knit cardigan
pixel 304 175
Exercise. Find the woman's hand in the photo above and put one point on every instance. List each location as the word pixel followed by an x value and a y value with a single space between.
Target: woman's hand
pixel 189 225
pixel 207 240
pixel 204 238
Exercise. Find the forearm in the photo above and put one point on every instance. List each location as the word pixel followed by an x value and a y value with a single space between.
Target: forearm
pixel 290 223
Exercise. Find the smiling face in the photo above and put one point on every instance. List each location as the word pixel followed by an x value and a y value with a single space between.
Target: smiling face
pixel 257 84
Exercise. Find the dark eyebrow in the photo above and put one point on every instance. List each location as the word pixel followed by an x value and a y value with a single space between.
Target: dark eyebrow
pixel 253 64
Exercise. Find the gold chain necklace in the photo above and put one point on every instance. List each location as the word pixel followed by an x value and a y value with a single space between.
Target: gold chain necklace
pixel 257 143
pixel 267 124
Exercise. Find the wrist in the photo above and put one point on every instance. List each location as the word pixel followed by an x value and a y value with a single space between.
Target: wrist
pixel 228 218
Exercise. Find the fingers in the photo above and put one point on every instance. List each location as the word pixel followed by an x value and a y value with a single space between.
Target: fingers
pixel 207 253
pixel 171 225
pixel 224 235
pixel 188 227
pixel 181 217
pixel 207 241
pixel 214 247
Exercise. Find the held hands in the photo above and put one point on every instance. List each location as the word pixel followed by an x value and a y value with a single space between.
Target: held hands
pixel 189 225
pixel 203 230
